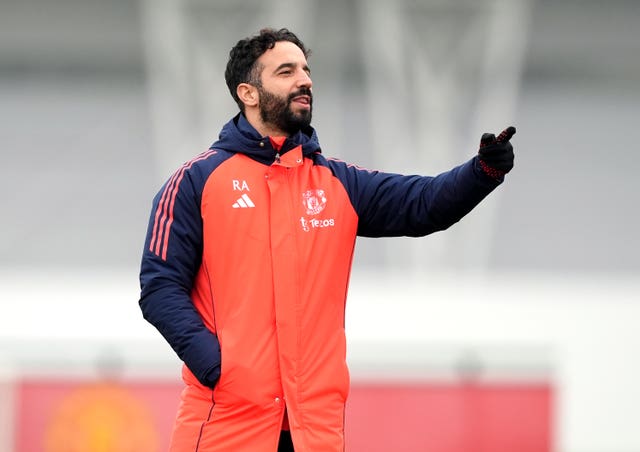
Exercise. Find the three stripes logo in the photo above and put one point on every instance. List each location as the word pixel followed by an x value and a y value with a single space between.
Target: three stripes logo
pixel 243 202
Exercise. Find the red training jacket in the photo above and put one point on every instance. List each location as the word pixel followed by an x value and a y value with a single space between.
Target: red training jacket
pixel 245 273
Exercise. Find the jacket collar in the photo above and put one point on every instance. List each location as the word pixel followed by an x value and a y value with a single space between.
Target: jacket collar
pixel 238 135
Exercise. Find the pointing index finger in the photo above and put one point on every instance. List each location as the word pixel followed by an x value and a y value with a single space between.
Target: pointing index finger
pixel 506 134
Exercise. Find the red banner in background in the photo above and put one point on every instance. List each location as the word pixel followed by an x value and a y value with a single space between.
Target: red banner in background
pixel 123 416
pixel 460 417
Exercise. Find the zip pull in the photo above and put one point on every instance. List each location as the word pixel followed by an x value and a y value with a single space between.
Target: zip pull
pixel 277 143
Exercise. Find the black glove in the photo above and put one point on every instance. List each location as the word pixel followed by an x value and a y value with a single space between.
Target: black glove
pixel 496 154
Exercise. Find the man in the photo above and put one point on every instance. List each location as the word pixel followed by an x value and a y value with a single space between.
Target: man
pixel 248 254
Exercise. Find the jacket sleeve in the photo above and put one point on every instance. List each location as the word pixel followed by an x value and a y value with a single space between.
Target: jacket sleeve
pixel 391 205
pixel 170 261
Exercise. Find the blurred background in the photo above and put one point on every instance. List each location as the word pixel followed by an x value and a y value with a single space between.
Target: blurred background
pixel 516 329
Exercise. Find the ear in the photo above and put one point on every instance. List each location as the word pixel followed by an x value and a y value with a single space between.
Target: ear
pixel 248 94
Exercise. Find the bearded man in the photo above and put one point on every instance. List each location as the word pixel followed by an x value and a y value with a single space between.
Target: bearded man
pixel 248 254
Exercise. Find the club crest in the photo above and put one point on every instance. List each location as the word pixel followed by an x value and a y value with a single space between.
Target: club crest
pixel 314 201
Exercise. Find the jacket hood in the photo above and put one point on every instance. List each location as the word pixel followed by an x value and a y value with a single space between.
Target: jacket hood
pixel 238 135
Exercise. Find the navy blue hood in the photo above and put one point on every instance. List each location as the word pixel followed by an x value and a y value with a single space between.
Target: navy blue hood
pixel 238 135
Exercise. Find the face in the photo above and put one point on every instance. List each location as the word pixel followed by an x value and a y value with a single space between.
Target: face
pixel 285 98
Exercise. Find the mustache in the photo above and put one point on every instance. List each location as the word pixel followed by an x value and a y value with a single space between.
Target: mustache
pixel 301 92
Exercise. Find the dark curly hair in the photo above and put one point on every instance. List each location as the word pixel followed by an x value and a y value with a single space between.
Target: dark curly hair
pixel 242 66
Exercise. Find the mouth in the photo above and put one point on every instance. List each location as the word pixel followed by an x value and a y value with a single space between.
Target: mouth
pixel 302 100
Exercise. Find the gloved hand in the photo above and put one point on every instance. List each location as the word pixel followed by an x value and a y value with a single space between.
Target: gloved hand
pixel 496 154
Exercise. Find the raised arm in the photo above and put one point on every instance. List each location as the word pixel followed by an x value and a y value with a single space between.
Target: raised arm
pixel 400 205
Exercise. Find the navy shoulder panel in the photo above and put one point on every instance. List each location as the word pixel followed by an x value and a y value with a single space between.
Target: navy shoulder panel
pixel 183 191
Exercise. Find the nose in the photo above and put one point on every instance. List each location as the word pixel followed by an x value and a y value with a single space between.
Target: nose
pixel 304 79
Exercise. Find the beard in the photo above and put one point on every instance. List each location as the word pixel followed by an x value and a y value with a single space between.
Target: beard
pixel 277 111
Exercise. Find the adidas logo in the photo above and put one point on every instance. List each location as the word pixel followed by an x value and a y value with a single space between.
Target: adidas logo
pixel 243 202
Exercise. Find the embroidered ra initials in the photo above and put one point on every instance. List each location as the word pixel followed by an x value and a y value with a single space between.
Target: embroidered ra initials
pixel 240 185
